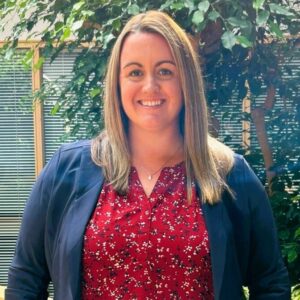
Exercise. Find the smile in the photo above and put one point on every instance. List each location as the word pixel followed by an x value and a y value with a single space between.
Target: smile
pixel 151 103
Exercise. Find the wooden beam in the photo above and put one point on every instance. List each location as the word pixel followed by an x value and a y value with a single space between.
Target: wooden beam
pixel 2 288
pixel 246 126
pixel 37 114
pixel 23 44
pixel 35 43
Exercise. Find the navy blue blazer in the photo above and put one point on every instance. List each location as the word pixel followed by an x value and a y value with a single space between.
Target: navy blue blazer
pixel 242 234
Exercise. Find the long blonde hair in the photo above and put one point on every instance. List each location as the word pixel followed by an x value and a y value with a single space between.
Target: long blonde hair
pixel 207 161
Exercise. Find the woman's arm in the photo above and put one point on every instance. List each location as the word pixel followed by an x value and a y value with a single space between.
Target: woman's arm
pixel 28 275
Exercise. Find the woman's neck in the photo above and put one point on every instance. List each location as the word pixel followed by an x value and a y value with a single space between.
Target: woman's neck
pixel 152 149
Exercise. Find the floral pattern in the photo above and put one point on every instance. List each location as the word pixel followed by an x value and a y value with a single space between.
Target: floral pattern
pixel 139 247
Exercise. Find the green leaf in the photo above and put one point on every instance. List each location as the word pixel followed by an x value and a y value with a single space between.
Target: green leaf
pixel 178 5
pixel 9 52
pixel 297 233
pixel 27 59
pixel 204 6
pixel 95 92
pixel 257 4
pixel 238 22
pixel 58 26
pixel 292 255
pixel 22 4
pixel 133 9
pixel 228 40
pixel 281 10
pixel 166 5
pixel 66 34
pixel 117 24
pixel 87 13
pixel 77 25
pixel 77 6
pixel 10 3
pixel 243 41
pixel 198 17
pixel 190 5
pixel 213 15
pixel 80 80
pixel 55 109
pixel 274 28
pixel 262 17
pixel 107 38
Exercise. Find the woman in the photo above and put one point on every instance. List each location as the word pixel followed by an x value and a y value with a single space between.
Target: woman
pixel 154 208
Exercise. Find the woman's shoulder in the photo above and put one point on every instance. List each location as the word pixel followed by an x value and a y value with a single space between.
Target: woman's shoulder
pixel 245 183
pixel 70 166
pixel 72 151
pixel 241 169
pixel 233 165
pixel 75 146
pixel 69 156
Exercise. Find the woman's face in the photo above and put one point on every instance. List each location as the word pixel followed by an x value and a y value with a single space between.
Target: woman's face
pixel 149 83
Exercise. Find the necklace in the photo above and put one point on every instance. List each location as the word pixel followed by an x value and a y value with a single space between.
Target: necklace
pixel 150 175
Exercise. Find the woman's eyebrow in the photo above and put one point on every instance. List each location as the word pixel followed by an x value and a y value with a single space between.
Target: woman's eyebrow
pixel 132 63
pixel 157 64
pixel 165 62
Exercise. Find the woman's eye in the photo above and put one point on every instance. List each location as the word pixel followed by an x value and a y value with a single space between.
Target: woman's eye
pixel 165 72
pixel 135 73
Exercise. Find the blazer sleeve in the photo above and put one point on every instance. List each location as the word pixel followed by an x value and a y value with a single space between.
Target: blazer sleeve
pixel 28 275
pixel 267 275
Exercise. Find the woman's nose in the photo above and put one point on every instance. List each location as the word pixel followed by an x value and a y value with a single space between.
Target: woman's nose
pixel 151 84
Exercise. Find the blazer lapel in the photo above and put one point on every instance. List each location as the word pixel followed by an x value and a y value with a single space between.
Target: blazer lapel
pixel 214 217
pixel 88 186
pixel 79 216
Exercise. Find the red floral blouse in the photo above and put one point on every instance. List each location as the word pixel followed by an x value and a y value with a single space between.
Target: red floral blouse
pixel 139 247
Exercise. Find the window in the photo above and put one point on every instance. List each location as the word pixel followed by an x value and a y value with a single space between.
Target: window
pixel 17 164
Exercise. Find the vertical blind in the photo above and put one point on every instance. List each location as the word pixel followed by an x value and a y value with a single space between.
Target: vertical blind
pixel 17 165
pixel 59 72
pixel 54 128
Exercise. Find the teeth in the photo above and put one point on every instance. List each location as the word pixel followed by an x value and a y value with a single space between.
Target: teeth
pixel 151 103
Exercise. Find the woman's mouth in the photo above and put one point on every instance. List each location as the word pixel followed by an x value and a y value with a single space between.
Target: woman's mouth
pixel 151 103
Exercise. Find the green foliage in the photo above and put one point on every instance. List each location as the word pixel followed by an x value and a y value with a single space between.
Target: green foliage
pixel 288 219
pixel 236 52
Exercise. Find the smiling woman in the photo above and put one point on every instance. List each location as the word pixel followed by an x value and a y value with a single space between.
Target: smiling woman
pixel 149 84
pixel 154 207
